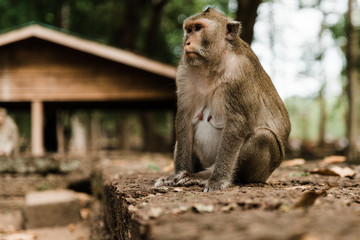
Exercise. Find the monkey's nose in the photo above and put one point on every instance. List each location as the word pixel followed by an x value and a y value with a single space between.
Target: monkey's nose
pixel 188 43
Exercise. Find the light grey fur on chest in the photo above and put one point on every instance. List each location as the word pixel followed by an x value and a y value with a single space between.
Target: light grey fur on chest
pixel 207 134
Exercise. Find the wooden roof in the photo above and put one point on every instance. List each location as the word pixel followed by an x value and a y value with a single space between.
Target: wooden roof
pixel 87 46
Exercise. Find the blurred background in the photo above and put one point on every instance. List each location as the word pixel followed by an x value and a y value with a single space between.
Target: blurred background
pixel 62 98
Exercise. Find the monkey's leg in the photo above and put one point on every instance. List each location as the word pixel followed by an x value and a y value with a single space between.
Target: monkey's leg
pixel 260 155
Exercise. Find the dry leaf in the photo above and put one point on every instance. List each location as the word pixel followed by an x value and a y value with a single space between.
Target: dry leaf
pixel 343 171
pixel 335 171
pixel 84 213
pixel 311 236
pixel 334 159
pixel 84 199
pixel 293 163
pixel 71 227
pixel 168 168
pixel 308 199
pixel 323 171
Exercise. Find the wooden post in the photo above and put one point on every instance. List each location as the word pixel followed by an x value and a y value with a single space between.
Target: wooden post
pixel 60 131
pixel 37 128
pixel 95 131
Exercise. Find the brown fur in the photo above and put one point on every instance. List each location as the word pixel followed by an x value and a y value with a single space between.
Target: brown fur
pixel 242 136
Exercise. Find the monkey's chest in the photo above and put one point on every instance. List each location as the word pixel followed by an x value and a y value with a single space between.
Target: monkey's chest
pixel 207 134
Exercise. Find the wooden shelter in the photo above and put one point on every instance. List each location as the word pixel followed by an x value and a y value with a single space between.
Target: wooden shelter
pixel 40 64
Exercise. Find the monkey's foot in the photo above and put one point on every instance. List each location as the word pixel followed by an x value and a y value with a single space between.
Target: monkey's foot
pixel 182 179
pixel 216 185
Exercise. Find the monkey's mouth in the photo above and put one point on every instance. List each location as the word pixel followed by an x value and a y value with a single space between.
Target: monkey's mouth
pixel 192 55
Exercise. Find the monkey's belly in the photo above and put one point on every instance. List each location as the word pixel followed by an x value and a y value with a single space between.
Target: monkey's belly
pixel 206 139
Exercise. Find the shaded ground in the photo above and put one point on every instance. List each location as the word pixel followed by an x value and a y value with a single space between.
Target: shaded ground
pixel 137 210
pixel 22 175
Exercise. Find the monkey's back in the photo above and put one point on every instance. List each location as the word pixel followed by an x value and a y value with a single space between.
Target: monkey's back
pixel 258 99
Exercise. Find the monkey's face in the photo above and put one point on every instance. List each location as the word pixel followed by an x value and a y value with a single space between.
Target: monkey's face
pixel 194 40
pixel 206 37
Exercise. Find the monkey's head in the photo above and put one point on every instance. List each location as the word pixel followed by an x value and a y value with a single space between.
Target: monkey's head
pixel 208 36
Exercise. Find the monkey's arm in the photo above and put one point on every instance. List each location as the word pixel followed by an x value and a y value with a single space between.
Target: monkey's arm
pixel 183 151
pixel 227 157
pixel 184 141
pixel 232 139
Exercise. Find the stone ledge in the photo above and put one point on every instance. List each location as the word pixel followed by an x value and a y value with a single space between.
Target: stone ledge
pixel 47 164
pixel 134 209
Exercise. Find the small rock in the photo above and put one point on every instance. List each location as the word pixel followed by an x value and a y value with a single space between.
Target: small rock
pixel 162 189
pixel 143 204
pixel 178 190
pixel 132 208
pixel 180 210
pixel 155 212
pixel 130 200
pixel 201 208
pixel 21 236
pixel 228 208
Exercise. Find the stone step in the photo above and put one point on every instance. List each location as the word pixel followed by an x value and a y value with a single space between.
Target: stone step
pixel 50 208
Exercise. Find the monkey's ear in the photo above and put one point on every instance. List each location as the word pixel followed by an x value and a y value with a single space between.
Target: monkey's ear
pixel 233 30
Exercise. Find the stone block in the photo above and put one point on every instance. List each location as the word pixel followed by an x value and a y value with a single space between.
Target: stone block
pixel 50 208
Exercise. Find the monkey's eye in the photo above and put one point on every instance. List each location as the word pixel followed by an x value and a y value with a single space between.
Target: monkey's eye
pixel 198 27
pixel 188 30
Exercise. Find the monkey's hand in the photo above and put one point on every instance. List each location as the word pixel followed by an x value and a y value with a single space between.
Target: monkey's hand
pixel 180 180
pixel 212 185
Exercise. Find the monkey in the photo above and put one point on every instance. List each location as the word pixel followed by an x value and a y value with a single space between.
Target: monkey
pixel 9 134
pixel 231 125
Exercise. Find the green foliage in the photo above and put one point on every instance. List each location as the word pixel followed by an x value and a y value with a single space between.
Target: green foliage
pixel 304 117
pixel 43 186
pixel 153 167
pixel 107 21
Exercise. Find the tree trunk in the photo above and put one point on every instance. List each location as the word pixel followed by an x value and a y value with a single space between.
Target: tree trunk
pixel 126 31
pixel 95 131
pixel 246 14
pixel 352 75
pixel 154 26
pixel 65 15
pixel 323 117
pixel 153 142
pixel 123 132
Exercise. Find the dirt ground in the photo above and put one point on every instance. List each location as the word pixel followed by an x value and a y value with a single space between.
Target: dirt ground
pixel 293 204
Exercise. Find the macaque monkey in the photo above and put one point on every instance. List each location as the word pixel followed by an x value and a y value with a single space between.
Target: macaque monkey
pixel 231 125
pixel 9 135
